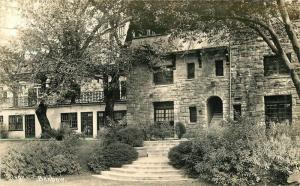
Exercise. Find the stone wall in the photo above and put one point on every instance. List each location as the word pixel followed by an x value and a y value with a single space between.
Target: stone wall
pixel 142 92
pixel 247 83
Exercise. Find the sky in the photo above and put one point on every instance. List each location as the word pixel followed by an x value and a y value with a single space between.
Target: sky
pixel 9 20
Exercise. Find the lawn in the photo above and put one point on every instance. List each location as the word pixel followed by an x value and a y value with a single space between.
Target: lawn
pixel 89 180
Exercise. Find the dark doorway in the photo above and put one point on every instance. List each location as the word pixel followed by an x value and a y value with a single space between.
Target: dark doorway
pixel 87 123
pixel 214 109
pixel 29 126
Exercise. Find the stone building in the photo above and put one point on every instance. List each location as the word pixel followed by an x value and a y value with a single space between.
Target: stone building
pixel 205 83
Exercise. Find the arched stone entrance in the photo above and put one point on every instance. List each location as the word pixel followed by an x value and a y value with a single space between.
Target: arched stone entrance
pixel 214 110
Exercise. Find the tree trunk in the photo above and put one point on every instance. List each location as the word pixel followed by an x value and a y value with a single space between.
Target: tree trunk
pixel 110 96
pixel 41 113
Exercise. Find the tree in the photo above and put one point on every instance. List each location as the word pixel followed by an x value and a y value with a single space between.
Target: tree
pixel 272 20
pixel 66 41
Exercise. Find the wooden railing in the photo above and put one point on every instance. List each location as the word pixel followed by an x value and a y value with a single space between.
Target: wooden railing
pixel 84 97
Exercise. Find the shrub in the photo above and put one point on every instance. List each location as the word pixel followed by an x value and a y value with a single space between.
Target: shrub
pixel 177 155
pixel 112 155
pixel 240 153
pixel 131 135
pixel 40 159
pixel 180 129
pixel 3 132
pixel 159 130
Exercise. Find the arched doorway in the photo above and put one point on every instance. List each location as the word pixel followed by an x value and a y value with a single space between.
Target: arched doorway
pixel 214 110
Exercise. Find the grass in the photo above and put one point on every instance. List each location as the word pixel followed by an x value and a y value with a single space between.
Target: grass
pixel 87 179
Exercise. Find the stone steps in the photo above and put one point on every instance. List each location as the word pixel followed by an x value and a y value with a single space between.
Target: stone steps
pixel 155 167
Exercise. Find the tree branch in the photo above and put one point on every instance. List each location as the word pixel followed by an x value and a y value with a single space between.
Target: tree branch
pixel 289 28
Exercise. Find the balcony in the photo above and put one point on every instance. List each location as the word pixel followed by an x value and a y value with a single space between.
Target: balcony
pixel 84 98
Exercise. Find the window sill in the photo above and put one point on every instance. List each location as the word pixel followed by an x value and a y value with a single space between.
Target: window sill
pixel 190 79
pixel 192 123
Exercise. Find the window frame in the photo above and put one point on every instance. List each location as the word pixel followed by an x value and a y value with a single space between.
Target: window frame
pixel 160 76
pixel 218 67
pixel 193 114
pixel 279 109
pixel 164 111
pixel 276 63
pixel 17 126
pixel 191 68
pixel 70 119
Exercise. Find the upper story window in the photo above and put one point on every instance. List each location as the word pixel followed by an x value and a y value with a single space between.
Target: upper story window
pixel 191 70
pixel 273 65
pixel 163 76
pixel 69 119
pixel 15 122
pixel 219 65
pixel 193 114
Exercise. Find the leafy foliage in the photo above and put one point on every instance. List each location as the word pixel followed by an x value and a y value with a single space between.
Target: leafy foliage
pixel 131 135
pixel 180 129
pixel 3 132
pixel 242 153
pixel 42 158
pixel 112 155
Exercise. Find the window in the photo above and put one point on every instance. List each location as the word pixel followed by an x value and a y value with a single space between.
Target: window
pixel 1 120
pixel 193 114
pixel 163 76
pixel 164 111
pixel 69 119
pixel 191 70
pixel 123 89
pixel 278 108
pixel 219 68
pixel 15 122
pixel 237 111
pixel 100 120
pixel 119 115
pixel 273 65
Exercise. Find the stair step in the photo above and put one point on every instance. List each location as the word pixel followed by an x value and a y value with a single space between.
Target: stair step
pixel 138 180
pixel 141 177
pixel 150 171
pixel 147 167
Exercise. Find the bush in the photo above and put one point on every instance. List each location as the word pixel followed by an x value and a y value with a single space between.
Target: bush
pixel 177 155
pixel 159 130
pixel 3 132
pixel 47 158
pixel 240 153
pixel 112 155
pixel 180 129
pixel 131 135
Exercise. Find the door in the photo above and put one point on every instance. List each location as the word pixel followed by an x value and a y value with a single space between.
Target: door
pixel 29 126
pixel 87 123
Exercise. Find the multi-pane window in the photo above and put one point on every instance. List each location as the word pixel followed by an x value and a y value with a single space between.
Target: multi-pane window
pixel 278 108
pixel 193 114
pixel 15 122
pixel 274 65
pixel 164 111
pixel 163 76
pixel 69 119
pixel 100 120
pixel 191 70
pixel 237 111
pixel 219 64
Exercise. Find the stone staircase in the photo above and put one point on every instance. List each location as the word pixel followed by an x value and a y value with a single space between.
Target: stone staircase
pixel 216 119
pixel 154 167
